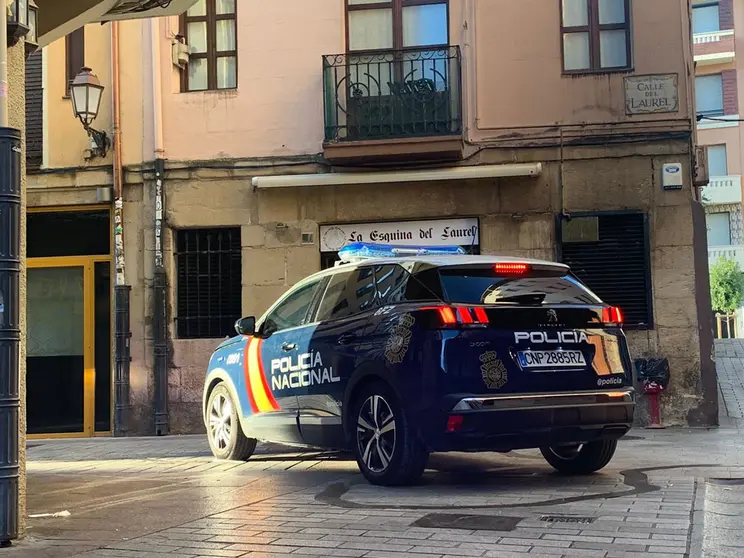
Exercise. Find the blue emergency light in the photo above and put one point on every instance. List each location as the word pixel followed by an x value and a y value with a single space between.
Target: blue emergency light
pixel 366 250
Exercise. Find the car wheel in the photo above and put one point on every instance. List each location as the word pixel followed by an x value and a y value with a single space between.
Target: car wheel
pixel 386 445
pixel 226 438
pixel 580 459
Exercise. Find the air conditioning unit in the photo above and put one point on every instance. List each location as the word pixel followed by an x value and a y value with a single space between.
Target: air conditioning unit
pixel 701 174
pixel 180 53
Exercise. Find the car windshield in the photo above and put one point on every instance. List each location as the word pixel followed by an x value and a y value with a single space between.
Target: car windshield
pixel 477 286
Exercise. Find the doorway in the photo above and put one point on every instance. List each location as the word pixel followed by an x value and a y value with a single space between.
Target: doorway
pixel 68 324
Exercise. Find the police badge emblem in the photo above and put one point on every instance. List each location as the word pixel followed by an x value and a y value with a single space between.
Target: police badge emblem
pixel 400 338
pixel 493 370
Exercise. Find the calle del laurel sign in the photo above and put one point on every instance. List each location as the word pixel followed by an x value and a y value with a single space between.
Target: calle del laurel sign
pixel 436 232
pixel 651 94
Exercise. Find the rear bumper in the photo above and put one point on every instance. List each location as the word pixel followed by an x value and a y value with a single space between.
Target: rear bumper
pixel 509 422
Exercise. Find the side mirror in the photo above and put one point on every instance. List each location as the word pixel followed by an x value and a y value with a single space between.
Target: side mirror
pixel 246 326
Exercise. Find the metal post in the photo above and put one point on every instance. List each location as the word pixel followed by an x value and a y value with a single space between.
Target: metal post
pixel 160 310
pixel 10 329
pixel 122 358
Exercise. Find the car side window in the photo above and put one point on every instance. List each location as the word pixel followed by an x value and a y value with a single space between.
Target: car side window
pixel 391 283
pixel 348 293
pixel 293 310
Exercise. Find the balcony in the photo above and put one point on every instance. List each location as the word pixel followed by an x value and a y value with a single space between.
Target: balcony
pixel 732 252
pixel 393 105
pixel 714 48
pixel 722 189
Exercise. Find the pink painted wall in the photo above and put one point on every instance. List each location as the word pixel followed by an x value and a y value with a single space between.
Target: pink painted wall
pixel 511 69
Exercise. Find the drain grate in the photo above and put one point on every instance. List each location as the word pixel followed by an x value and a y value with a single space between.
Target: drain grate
pixel 567 519
pixel 470 522
pixel 732 481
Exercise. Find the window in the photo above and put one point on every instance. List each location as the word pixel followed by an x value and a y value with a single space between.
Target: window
pixel 717 164
pixel 348 293
pixel 596 35
pixel 34 112
pixel 610 254
pixel 208 290
pixel 719 228
pixel 705 18
pixel 74 56
pixel 209 29
pixel 709 95
pixel 293 310
pixel 396 24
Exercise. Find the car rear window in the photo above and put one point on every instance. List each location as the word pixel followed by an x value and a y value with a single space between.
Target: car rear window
pixel 478 286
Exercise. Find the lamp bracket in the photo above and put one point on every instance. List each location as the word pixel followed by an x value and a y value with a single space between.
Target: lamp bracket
pixel 101 139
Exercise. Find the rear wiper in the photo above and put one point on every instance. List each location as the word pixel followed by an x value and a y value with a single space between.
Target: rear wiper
pixel 529 299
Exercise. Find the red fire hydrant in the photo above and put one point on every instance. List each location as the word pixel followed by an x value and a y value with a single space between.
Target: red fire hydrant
pixel 653 390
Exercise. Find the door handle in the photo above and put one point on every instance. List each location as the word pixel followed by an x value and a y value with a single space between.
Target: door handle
pixel 289 346
pixel 345 339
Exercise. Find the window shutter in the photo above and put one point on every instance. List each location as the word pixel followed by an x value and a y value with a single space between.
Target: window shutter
pixel 730 92
pixel 610 253
pixel 74 55
pixel 34 112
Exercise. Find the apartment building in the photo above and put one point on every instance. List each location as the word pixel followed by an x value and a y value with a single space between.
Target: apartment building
pixel 257 138
pixel 718 98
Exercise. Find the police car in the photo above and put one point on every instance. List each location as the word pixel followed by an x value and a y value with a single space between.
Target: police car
pixel 402 351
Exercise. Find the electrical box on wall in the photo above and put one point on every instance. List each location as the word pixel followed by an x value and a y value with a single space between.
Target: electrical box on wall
pixel 180 53
pixel 671 176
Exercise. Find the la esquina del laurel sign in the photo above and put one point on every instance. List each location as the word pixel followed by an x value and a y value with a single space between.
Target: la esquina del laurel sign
pixel 651 94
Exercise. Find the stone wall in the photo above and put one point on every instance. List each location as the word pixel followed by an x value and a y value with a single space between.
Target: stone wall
pixel 517 218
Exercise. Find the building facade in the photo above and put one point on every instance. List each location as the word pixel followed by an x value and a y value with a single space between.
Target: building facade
pixel 718 98
pixel 50 21
pixel 258 138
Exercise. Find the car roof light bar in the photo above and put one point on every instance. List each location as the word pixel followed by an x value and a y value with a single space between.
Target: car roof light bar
pixel 366 250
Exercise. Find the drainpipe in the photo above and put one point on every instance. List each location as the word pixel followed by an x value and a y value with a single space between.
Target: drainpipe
pixel 122 333
pixel 160 304
pixel 10 277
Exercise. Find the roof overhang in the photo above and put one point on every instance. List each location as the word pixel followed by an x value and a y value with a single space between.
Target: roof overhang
pixel 427 175
pixel 57 18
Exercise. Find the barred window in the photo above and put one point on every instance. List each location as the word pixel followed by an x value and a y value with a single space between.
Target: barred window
pixel 208 291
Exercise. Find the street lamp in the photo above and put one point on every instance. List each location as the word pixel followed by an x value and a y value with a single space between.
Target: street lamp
pixel 17 21
pixel 86 92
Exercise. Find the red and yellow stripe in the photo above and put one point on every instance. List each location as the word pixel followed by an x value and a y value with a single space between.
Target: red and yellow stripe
pixel 259 394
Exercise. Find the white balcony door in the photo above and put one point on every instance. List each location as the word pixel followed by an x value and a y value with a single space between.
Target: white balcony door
pixel 705 19
pixel 719 229
pixel 717 164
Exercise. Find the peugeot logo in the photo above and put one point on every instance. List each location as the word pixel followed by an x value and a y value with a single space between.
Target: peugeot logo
pixel 552 317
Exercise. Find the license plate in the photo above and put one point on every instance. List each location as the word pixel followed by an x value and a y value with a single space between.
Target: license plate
pixel 551 359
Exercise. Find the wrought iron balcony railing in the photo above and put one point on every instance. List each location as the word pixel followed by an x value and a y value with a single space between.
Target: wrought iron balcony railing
pixel 392 94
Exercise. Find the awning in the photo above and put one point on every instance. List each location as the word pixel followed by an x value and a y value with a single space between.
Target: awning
pixel 427 175
pixel 57 18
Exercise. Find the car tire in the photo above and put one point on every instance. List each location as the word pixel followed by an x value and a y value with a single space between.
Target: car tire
pixel 224 432
pixel 386 456
pixel 581 459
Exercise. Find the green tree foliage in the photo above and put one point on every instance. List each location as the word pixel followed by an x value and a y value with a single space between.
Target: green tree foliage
pixel 726 285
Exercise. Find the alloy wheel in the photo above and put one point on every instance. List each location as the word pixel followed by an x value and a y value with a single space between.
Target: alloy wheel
pixel 220 421
pixel 376 436
pixel 567 452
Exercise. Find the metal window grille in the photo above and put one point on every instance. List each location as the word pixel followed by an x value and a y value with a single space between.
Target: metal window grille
pixel 611 254
pixel 208 292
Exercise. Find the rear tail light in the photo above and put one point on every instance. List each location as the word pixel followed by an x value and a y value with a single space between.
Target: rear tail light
pixel 612 315
pixel 454 423
pixel 461 315
pixel 511 268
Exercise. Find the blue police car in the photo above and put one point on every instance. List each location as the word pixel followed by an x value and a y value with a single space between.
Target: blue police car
pixel 399 352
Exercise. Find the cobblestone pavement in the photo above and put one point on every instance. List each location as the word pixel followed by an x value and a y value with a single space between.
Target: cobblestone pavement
pixel 730 368
pixel 667 494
